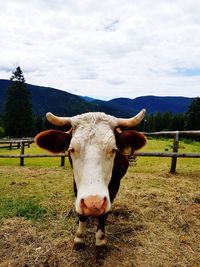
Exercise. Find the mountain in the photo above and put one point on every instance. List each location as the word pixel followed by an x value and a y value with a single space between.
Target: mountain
pixel 59 102
pixel 174 104
pixel 62 103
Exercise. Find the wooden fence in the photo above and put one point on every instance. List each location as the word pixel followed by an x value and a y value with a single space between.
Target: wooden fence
pixel 16 143
pixel 173 155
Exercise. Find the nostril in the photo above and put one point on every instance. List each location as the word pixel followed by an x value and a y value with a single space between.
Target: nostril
pixel 82 203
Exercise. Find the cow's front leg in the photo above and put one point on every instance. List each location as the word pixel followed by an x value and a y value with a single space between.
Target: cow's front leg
pixel 100 234
pixel 79 240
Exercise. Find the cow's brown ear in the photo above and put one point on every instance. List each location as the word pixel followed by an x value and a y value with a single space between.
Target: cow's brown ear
pixel 53 140
pixel 130 139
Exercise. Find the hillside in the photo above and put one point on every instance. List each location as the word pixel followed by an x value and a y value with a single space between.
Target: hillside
pixel 59 102
pixel 62 103
pixel 153 104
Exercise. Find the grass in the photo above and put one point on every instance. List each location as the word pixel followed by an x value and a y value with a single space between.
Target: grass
pixel 39 189
pixel 155 219
pixel 27 208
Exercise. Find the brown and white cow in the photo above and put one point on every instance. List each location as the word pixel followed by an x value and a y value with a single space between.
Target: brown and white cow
pixel 97 152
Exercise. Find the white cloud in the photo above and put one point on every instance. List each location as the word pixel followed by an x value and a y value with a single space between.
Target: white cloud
pixel 103 49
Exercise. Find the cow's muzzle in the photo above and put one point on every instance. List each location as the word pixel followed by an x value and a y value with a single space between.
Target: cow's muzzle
pixel 93 205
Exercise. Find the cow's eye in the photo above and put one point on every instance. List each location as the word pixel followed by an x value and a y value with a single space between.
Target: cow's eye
pixel 114 150
pixel 71 150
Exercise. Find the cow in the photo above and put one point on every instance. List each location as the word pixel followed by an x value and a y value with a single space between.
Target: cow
pixel 97 146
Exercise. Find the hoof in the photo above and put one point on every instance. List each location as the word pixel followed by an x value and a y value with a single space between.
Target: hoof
pixel 79 243
pixel 79 246
pixel 100 239
pixel 101 242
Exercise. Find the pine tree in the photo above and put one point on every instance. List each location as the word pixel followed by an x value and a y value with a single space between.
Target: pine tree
pixel 2 131
pixel 193 115
pixel 158 122
pixel 178 123
pixel 18 116
pixel 167 118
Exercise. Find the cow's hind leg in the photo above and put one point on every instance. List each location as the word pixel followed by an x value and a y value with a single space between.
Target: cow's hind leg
pixel 79 240
pixel 100 234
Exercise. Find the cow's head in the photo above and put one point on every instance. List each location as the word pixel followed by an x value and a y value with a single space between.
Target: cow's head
pixel 93 143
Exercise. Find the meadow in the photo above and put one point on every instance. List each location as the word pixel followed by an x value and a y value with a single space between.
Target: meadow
pixel 155 219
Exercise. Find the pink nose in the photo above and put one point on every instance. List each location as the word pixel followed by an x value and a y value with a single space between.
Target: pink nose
pixel 93 205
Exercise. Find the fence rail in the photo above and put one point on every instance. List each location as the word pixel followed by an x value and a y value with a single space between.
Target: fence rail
pixel 173 155
pixel 173 133
pixel 168 154
pixel 15 143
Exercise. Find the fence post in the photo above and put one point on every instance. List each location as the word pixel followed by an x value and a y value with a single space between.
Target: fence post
pixel 21 153
pixel 175 149
pixel 62 163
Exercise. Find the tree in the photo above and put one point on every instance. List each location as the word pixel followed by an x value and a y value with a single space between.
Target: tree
pixel 177 123
pixel 158 122
pixel 18 116
pixel 2 131
pixel 193 115
pixel 167 118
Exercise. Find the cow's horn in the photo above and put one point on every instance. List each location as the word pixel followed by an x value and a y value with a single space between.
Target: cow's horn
pixel 58 121
pixel 132 121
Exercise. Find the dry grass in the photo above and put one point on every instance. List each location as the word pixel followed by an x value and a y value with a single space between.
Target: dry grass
pixel 155 219
pixel 155 222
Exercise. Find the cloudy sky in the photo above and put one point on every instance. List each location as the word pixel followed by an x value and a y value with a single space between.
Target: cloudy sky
pixel 104 49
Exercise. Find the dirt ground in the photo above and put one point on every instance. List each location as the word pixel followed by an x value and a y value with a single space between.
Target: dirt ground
pixel 155 221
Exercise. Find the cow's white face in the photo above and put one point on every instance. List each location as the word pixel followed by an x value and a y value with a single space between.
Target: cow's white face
pixel 92 151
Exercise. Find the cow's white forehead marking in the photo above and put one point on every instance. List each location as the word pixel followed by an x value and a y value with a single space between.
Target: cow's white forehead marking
pixel 94 128
pixel 93 118
pixel 97 136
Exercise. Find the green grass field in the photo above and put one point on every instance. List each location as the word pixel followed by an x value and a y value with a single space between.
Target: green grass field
pixel 155 220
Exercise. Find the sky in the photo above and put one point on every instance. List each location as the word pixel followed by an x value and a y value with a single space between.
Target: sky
pixel 103 49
